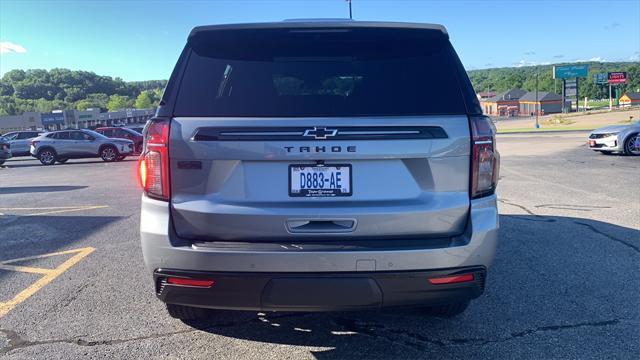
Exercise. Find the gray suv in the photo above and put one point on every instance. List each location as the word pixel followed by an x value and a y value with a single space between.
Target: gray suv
pixel 318 166
pixel 60 146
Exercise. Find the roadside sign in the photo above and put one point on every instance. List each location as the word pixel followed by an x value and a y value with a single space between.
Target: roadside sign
pixel 570 87
pixel 617 77
pixel 52 118
pixel 570 71
pixel 600 78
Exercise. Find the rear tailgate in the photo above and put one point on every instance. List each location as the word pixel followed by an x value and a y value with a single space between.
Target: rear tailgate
pixel 383 109
pixel 239 190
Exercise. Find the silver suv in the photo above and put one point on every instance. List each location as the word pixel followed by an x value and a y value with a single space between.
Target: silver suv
pixel 20 141
pixel 63 145
pixel 316 166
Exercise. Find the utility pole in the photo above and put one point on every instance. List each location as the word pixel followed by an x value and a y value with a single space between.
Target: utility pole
pixel 350 13
pixel 536 106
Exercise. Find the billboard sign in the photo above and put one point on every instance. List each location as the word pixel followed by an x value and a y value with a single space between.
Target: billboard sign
pixel 52 118
pixel 570 88
pixel 619 77
pixel 570 71
pixel 600 78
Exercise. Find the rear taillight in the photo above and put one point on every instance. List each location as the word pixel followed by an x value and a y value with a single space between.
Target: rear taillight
pixel 485 159
pixel 153 166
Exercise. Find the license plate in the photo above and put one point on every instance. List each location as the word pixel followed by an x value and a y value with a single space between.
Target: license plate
pixel 592 143
pixel 319 180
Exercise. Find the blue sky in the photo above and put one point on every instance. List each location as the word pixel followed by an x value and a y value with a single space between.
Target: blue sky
pixel 141 40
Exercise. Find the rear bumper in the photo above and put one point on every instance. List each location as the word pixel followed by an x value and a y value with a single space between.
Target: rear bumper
pixel 162 249
pixel 319 291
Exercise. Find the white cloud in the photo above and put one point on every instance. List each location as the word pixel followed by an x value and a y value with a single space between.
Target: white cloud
pixel 598 59
pixel 9 47
pixel 522 63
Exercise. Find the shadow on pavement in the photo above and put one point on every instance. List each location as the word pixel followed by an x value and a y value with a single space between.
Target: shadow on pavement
pixel 38 189
pixel 551 274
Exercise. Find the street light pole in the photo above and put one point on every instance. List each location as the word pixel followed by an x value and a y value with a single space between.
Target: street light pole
pixel 350 13
pixel 536 106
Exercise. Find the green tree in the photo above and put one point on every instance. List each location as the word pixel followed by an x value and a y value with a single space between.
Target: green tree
pixel 117 102
pixel 144 100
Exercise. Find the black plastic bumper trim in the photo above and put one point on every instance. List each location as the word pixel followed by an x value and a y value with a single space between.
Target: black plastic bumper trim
pixel 319 291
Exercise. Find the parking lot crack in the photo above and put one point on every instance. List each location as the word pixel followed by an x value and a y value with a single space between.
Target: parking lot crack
pixel 529 212
pixel 421 342
pixel 548 328
pixel 610 237
pixel 15 341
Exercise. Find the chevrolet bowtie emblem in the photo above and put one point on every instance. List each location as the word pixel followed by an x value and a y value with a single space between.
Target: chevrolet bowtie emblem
pixel 320 132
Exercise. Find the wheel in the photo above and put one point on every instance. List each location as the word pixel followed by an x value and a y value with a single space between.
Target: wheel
pixel 120 158
pixel 632 145
pixel 62 160
pixel 47 157
pixel 109 153
pixel 139 148
pixel 449 310
pixel 186 312
pixel 1 162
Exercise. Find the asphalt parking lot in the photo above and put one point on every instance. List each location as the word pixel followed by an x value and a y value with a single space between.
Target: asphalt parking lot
pixel 564 283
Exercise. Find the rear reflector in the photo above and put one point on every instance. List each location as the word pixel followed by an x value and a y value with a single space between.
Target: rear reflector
pixel 451 279
pixel 190 282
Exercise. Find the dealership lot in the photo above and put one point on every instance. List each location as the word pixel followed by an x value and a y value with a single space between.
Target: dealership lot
pixel 564 283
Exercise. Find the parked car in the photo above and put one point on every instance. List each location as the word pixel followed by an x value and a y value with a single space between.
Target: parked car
pixel 5 150
pixel 137 129
pixel 20 141
pixel 316 166
pixel 616 139
pixel 123 133
pixel 63 145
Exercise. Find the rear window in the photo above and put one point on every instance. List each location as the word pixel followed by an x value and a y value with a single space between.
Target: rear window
pixel 322 72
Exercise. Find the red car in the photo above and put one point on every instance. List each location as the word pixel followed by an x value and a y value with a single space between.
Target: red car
pixel 123 133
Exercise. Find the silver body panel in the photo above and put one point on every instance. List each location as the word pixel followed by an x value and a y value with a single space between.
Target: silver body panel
pixel 162 249
pixel 400 187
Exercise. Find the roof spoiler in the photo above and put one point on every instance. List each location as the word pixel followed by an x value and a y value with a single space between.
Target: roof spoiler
pixel 320 23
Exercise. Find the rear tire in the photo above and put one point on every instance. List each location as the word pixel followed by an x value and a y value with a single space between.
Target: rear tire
pixel 108 153
pixel 448 310
pixel 186 312
pixel 629 145
pixel 139 148
pixel 1 162
pixel 47 157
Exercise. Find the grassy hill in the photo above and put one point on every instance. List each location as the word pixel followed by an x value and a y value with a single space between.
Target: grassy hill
pixel 500 79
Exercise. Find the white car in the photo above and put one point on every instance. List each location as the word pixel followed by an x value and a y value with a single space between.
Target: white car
pixel 616 138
